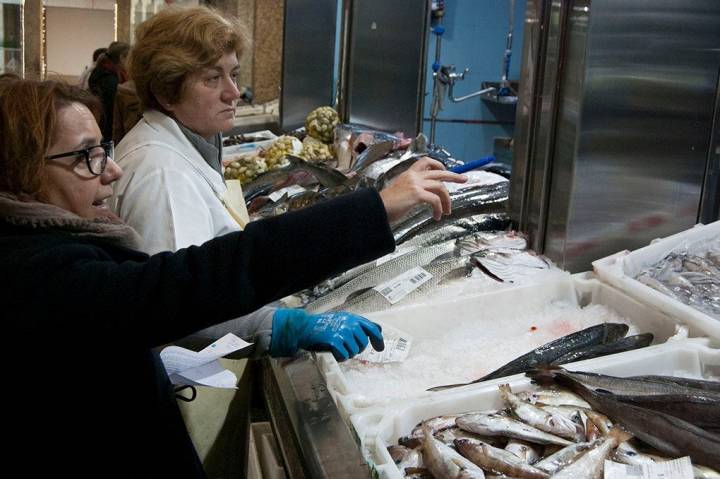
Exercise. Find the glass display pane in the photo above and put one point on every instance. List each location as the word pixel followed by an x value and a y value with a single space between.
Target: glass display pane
pixel 11 35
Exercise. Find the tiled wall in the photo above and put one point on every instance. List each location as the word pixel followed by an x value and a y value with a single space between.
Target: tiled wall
pixel 475 36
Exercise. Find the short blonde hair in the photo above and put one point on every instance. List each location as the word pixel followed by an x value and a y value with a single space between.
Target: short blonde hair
pixel 175 43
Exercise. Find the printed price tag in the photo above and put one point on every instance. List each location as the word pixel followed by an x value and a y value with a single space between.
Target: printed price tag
pixel 675 469
pixel 290 190
pixel 400 286
pixel 397 347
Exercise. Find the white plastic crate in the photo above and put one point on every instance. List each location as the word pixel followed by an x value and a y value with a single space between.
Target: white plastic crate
pixel 620 269
pixel 430 320
pixel 687 358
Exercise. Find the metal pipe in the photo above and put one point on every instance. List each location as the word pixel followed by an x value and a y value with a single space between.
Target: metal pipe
pixel 508 48
pixel 438 92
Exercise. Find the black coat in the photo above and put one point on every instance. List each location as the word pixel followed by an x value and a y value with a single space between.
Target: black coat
pixel 85 394
pixel 103 83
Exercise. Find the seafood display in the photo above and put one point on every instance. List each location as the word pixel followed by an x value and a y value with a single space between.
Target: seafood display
pixel 470 349
pixel 600 340
pixel 449 254
pixel 528 438
pixel 691 275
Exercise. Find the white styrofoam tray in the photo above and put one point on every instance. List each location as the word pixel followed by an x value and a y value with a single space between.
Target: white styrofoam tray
pixel 620 269
pixel 429 321
pixel 692 358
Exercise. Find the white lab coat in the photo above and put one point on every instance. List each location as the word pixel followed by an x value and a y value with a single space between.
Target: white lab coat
pixel 168 193
pixel 172 197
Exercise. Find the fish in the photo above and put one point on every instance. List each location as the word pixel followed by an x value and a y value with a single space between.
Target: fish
pixel 554 397
pixel 460 228
pixel 628 343
pixel 405 457
pixel 563 457
pixel 435 425
pixel 473 201
pixel 375 276
pixel 547 353
pixel 591 463
pixel 265 183
pixel 667 434
pixel 372 300
pixel 524 450
pixel 701 411
pixel 555 424
pixel 498 425
pixel 449 435
pixel 687 382
pixel 632 387
pixel 693 279
pixel 497 460
pixel 371 154
pixel 445 463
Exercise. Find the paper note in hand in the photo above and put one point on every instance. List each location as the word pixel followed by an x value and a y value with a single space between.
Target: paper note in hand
pixel 187 367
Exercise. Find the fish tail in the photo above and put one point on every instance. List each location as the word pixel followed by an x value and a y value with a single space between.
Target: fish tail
pixel 544 374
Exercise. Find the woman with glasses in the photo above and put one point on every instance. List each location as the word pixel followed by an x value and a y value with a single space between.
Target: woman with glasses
pixel 83 307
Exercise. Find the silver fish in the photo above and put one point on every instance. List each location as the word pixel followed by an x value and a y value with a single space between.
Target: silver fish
pixel 497 460
pixel 460 228
pixel 591 463
pixel 668 434
pixel 524 450
pixel 555 424
pixel 371 300
pixel 482 199
pixel 497 425
pixel 554 397
pixel 563 457
pixel 404 457
pixel 448 437
pixel 384 272
pixel 445 463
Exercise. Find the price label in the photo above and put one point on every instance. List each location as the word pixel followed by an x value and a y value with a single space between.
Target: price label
pixel 400 286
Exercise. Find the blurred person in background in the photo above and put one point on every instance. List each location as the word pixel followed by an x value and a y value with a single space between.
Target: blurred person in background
pixel 127 110
pixel 108 73
pixel 85 75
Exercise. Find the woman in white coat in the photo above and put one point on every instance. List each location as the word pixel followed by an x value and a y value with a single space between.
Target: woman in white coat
pixel 185 64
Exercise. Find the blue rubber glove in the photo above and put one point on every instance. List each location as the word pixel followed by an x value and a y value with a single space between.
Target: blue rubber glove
pixel 343 334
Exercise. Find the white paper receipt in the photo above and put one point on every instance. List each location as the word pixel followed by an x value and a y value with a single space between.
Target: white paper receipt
pixel 400 286
pixel 675 469
pixel 189 367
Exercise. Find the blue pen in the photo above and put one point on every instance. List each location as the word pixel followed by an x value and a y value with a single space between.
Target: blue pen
pixel 472 165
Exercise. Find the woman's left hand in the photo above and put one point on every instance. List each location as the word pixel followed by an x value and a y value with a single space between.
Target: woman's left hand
pixel 421 183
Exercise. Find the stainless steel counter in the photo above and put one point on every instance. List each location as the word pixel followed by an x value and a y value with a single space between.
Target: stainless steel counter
pixel 313 438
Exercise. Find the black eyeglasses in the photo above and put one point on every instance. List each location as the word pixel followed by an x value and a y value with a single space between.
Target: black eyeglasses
pixel 95 156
